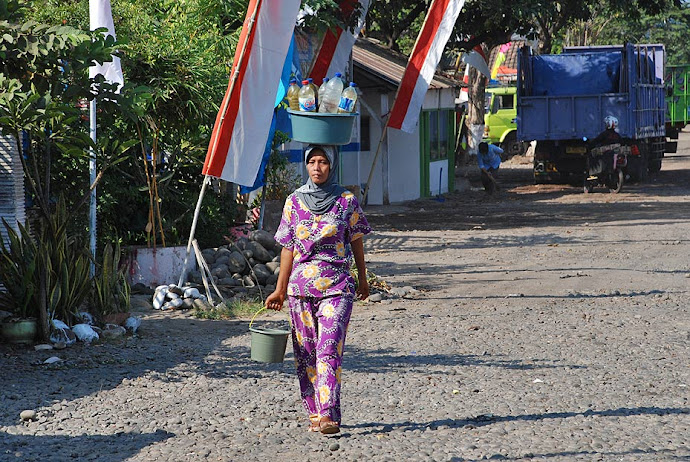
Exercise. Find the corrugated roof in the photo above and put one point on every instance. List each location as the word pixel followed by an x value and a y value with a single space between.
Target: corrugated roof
pixel 388 65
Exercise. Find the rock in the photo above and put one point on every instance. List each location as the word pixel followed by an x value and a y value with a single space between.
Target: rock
pixel 260 252
pixel 248 254
pixel 248 281
pixel 242 243
pixel 175 304
pixel 85 333
pixel 272 280
pixel 187 304
pixel 63 335
pixel 221 272
pixel 334 446
pixel 273 266
pixel 5 314
pixel 172 296
pixel 42 347
pixel 28 415
pixel 112 331
pixel 253 262
pixel 223 260
pixel 140 288
pixel 375 297
pixel 60 345
pixel 263 237
pixel 262 273
pixel 209 255
pixel 51 360
pixel 173 289
pixel 236 263
pixel 200 304
pixel 232 282
pixel 191 292
pixel 140 303
pixel 85 318
pixel 132 324
pixel 159 298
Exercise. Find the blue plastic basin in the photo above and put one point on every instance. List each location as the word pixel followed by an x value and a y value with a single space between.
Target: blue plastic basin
pixel 322 128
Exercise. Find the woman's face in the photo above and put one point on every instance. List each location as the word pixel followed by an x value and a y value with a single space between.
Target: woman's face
pixel 318 167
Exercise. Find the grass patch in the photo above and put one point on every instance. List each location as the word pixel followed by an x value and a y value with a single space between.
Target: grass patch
pixel 232 309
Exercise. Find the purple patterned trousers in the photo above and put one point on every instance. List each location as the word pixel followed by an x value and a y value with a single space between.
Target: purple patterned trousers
pixel 319 326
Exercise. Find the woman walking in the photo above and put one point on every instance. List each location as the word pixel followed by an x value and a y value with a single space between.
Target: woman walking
pixel 321 231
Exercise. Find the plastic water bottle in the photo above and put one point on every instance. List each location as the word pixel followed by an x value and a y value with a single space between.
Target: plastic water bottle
pixel 293 95
pixel 348 99
pixel 307 98
pixel 314 87
pixel 331 95
pixel 322 88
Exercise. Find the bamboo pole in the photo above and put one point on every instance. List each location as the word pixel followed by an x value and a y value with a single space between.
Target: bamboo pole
pixel 224 110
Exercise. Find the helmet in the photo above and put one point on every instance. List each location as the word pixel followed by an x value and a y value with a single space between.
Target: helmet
pixel 610 122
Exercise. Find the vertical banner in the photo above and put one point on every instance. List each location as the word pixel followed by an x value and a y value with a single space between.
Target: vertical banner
pixel 422 63
pixel 100 15
pixel 244 120
pixel 332 54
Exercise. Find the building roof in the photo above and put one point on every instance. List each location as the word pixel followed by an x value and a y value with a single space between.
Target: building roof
pixel 380 68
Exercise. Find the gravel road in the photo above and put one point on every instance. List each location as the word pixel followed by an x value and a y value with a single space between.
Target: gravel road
pixel 546 325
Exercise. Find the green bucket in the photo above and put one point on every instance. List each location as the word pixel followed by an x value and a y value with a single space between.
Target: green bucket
pixel 268 345
pixel 322 127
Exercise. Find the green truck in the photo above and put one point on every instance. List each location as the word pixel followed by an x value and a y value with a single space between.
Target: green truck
pixel 500 120
pixel 677 98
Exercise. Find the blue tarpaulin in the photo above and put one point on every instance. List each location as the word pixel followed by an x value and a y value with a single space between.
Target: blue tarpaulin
pixel 576 74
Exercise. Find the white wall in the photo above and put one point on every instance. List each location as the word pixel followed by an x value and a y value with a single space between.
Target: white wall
pixel 435 173
pixel 404 175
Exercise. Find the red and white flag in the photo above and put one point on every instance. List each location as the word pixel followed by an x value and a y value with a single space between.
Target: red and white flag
pixel 100 15
pixel 422 64
pixel 239 135
pixel 334 53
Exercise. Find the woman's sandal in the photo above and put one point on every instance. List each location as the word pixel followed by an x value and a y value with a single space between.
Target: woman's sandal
pixel 314 423
pixel 329 427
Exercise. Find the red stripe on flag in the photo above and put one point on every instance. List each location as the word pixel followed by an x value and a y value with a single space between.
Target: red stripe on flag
pixel 225 120
pixel 329 44
pixel 416 61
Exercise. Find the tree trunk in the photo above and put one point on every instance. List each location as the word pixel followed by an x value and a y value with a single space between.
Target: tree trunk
pixel 475 114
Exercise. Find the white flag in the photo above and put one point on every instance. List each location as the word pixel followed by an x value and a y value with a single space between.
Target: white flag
pixel 101 16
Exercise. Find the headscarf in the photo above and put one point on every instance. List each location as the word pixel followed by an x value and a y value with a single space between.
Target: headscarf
pixel 319 198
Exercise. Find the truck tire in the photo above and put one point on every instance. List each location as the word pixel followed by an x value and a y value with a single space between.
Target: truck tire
pixel 512 147
pixel 655 166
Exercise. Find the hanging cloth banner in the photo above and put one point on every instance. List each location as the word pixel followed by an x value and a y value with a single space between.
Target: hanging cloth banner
pixel 500 59
pixel 246 113
pixel 422 63
pixel 331 53
pixel 100 15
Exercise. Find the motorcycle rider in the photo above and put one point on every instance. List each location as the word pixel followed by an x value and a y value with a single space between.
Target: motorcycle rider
pixel 595 163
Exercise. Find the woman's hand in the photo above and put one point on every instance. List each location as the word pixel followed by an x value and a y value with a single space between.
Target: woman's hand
pixel 275 300
pixel 363 289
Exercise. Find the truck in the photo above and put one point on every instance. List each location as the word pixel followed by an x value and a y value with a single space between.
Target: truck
pixel 562 101
pixel 677 99
pixel 500 125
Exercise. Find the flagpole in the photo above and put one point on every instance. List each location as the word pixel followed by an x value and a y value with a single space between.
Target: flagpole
pixel 92 178
pixel 224 110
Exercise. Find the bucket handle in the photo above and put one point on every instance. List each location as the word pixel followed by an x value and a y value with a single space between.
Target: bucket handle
pixel 263 308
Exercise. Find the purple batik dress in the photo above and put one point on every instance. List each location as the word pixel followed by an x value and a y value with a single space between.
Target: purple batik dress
pixel 320 292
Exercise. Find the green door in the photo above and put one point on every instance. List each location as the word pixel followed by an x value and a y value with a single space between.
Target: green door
pixel 436 142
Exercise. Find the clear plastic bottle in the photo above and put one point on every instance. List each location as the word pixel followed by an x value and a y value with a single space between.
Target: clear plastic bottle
pixel 314 87
pixel 293 95
pixel 331 95
pixel 348 99
pixel 322 88
pixel 307 98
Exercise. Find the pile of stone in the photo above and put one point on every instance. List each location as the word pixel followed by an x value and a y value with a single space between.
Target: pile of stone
pixel 247 265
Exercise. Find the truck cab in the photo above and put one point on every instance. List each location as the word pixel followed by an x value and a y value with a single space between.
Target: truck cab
pixel 500 125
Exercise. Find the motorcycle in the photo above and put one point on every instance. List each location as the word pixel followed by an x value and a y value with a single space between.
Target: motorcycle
pixel 605 166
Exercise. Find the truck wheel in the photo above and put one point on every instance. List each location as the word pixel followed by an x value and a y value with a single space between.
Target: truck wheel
pixel 654 165
pixel 512 147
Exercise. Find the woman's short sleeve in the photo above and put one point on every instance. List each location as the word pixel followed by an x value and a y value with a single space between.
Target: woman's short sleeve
pixel 285 235
pixel 358 225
